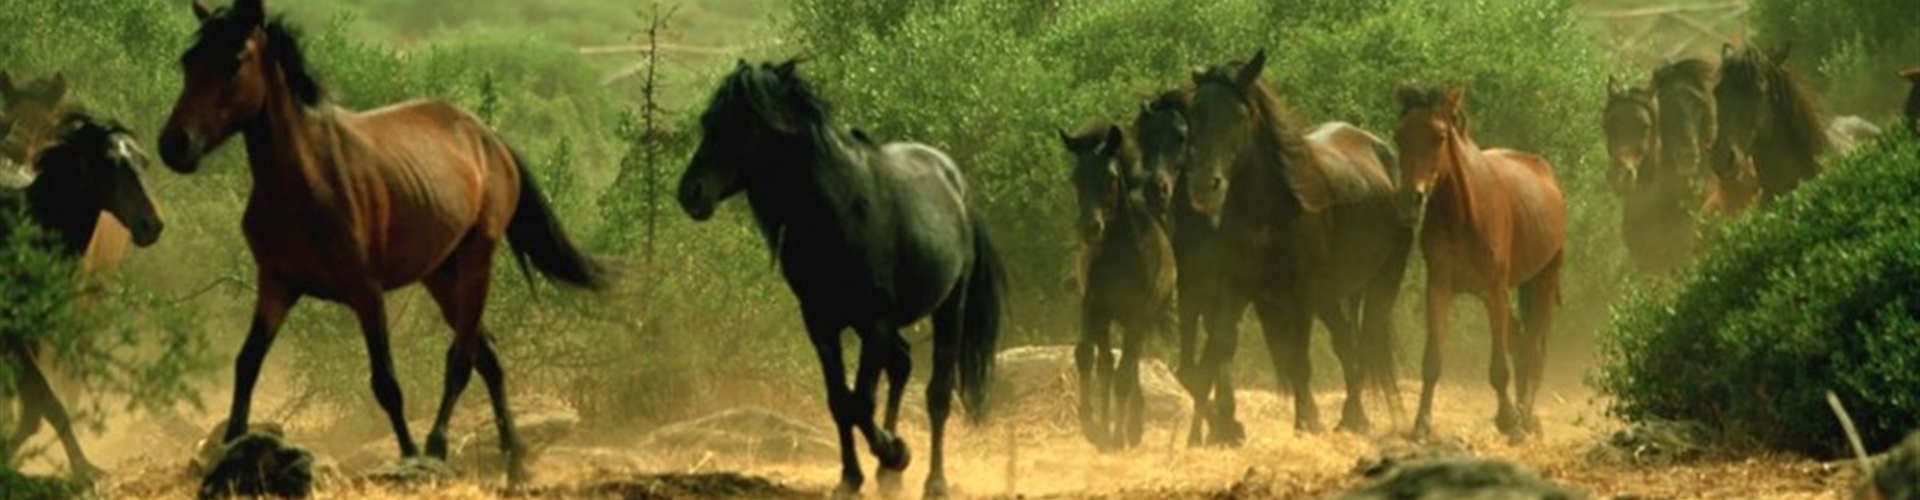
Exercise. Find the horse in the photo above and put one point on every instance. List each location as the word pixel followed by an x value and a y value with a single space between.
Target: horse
pixel 1161 132
pixel 1495 221
pixel 33 109
pixel 1684 93
pixel 347 205
pixel 1309 228
pixel 1656 211
pixel 1128 269
pixel 91 168
pixel 1769 117
pixel 870 237
pixel 1913 98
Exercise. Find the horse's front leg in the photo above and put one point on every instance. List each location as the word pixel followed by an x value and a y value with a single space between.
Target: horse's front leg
pixel 1216 367
pixel 271 304
pixel 1092 362
pixel 882 348
pixel 1287 326
pixel 38 402
pixel 1439 304
pixel 370 307
pixel 840 402
pixel 1339 318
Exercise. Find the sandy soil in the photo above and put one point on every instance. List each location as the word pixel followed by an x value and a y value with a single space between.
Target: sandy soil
pixel 1038 453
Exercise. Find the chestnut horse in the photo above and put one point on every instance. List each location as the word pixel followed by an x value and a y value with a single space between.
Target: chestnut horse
pixel 33 110
pixel 91 167
pixel 1495 220
pixel 1310 229
pixel 871 237
pixel 1767 118
pixel 347 205
pixel 1128 274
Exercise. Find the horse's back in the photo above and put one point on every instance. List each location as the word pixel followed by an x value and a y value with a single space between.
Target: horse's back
pixel 931 227
pixel 1539 209
pixel 1354 161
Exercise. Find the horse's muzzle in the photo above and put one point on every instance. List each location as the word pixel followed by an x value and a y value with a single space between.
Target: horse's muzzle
pixel 146 232
pixel 696 200
pixel 181 151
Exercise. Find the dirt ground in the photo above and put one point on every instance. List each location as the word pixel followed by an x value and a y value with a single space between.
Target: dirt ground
pixel 1033 452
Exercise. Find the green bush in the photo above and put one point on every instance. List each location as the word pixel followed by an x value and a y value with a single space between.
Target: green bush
pixel 1852 48
pixel 1811 295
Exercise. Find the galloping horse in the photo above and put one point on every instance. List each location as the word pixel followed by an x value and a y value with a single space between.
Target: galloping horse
pixel 91 169
pixel 1495 220
pixel 1309 227
pixel 869 236
pixel 34 109
pixel 1127 268
pixel 1161 131
pixel 347 205
pixel 1768 118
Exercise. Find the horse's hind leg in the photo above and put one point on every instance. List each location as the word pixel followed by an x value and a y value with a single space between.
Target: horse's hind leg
pixel 460 287
pixel 1339 318
pixel 1287 327
pixel 1538 299
pixel 947 328
pixel 38 401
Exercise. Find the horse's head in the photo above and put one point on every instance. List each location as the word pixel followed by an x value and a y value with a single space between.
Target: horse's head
pixel 1632 136
pixel 1101 166
pixel 1160 133
pixel 1223 119
pixel 33 110
pixel 239 65
pixel 757 116
pixel 95 166
pixel 1742 101
pixel 1913 98
pixel 1431 133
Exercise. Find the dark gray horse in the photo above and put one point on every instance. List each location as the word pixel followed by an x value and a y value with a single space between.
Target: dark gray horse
pixel 872 237
pixel 93 168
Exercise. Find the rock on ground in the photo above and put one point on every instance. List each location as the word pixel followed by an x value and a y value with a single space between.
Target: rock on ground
pixel 1462 478
pixel 1044 378
pixel 211 448
pixel 759 433
pixel 259 464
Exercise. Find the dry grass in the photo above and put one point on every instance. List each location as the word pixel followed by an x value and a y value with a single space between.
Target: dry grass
pixel 1031 453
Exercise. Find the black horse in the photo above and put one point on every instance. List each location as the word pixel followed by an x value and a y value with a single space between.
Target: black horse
pixel 93 168
pixel 1127 271
pixel 872 237
pixel 1161 130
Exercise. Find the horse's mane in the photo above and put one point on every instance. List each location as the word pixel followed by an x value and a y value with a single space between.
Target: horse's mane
pixel 1694 73
pixel 1412 97
pixel 763 85
pixel 1095 135
pixel 226 32
pixel 1281 124
pixel 1171 100
pixel 1791 96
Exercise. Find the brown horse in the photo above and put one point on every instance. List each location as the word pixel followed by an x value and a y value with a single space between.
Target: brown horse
pixel 1495 220
pixel 1309 228
pixel 92 167
pixel 347 205
pixel 1127 267
pixel 34 110
pixel 1767 117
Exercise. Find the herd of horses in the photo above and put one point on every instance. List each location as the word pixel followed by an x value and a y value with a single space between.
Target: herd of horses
pixel 1216 199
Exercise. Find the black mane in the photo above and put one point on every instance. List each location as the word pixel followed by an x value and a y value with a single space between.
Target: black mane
pixel 223 35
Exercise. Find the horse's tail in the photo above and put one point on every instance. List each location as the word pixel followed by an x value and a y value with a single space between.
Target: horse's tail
pixel 537 238
pixel 984 304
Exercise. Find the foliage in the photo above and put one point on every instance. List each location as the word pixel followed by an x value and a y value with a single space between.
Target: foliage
pixel 17 486
pixel 1853 48
pixel 1813 294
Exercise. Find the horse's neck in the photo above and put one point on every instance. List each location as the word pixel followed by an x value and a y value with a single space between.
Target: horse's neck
pixel 1455 201
pixel 54 213
pixel 805 188
pixel 282 153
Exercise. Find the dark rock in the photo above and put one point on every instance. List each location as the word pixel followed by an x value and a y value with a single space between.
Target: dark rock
pixel 697 486
pixel 259 464
pixel 412 470
pixel 1654 443
pixel 213 446
pixel 1462 478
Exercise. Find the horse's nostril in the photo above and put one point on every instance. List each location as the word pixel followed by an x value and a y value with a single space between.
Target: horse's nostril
pixel 1217 182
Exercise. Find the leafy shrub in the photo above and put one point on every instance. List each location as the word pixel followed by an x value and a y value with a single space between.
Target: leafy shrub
pixel 1853 48
pixel 1813 294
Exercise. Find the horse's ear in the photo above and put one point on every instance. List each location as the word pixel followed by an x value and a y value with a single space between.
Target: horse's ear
pixel 250 12
pixel 1065 138
pixel 1408 97
pixel 201 11
pixel 1251 71
pixel 1613 86
pixel 59 83
pixel 1114 140
pixel 1146 107
pixel 1455 99
pixel 786 69
pixel 1726 51
pixel 1911 74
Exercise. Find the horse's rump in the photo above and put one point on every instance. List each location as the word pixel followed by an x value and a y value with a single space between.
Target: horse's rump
pixel 1349 157
pixel 1540 219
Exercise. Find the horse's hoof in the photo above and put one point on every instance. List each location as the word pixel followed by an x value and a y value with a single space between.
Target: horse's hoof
pixel 894 455
pixel 1422 431
pixel 437 446
pixel 85 472
pixel 936 488
pixel 1508 422
pixel 1308 426
pixel 1515 437
pixel 1228 434
pixel 847 490
pixel 1357 426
